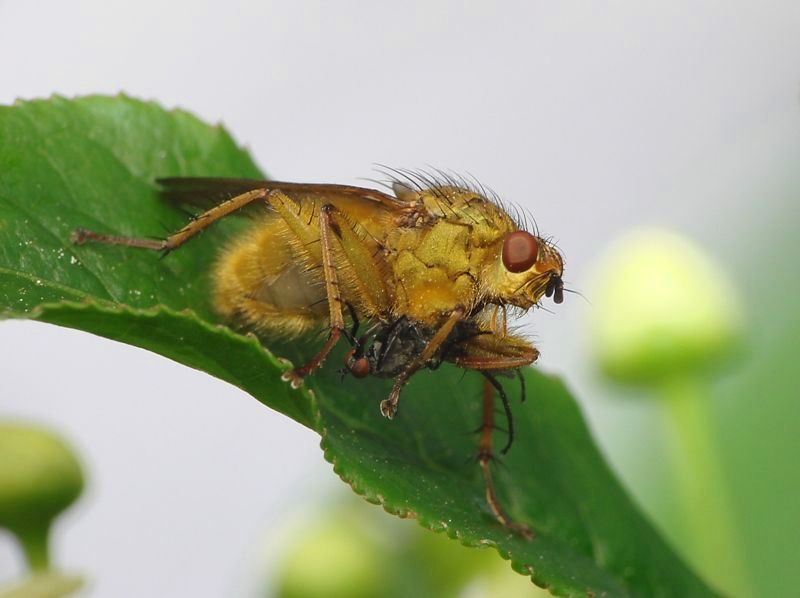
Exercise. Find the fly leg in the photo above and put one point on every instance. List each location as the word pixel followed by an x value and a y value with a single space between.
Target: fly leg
pixel 334 295
pixel 485 456
pixel 490 351
pixel 389 405
pixel 343 247
pixel 178 238
pixel 506 407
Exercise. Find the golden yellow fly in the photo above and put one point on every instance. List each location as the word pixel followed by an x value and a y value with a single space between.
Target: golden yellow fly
pixel 431 268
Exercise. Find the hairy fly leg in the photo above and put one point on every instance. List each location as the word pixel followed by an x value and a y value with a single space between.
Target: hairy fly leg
pixel 178 238
pixel 486 455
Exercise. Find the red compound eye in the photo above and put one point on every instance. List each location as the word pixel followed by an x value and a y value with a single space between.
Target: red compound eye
pixel 360 368
pixel 520 250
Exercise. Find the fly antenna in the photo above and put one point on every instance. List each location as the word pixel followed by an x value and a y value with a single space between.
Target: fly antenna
pixel 578 293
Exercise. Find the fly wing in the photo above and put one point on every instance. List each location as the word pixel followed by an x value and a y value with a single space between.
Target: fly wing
pixel 206 192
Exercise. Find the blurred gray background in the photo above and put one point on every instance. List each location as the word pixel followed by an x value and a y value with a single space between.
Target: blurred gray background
pixel 594 117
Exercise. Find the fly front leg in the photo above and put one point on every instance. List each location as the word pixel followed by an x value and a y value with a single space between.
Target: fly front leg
pixel 486 456
pixel 490 355
pixel 176 239
pixel 490 351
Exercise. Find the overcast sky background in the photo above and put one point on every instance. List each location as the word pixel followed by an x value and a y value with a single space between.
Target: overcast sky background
pixel 596 118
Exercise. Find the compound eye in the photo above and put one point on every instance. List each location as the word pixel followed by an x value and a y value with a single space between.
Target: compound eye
pixel 520 250
pixel 360 368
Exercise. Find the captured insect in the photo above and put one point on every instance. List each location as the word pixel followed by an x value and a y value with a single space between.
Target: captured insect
pixel 428 269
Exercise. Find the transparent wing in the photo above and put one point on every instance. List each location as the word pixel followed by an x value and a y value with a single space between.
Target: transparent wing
pixel 208 192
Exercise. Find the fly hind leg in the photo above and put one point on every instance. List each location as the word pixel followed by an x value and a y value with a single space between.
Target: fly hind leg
pixel 178 238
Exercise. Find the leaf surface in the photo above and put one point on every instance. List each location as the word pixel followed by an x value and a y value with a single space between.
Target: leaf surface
pixel 92 162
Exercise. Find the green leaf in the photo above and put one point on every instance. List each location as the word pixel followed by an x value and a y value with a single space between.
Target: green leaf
pixel 91 162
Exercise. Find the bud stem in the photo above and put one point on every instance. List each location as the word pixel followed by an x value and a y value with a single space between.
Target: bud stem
pixel 703 494
pixel 35 544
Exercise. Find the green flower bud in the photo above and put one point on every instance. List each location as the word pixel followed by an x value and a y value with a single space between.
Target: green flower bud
pixel 46 584
pixel 335 559
pixel 662 310
pixel 39 478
